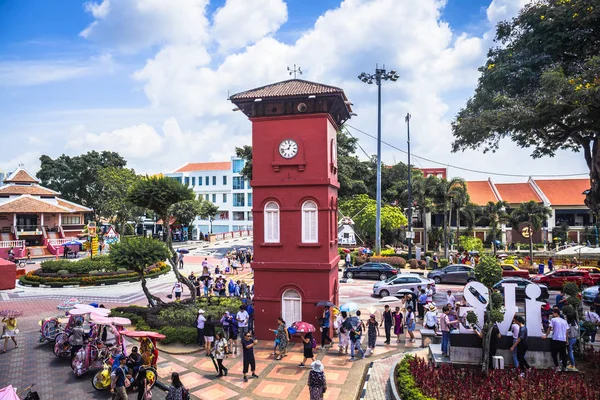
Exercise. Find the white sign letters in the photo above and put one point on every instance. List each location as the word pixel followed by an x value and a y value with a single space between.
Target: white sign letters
pixel 477 295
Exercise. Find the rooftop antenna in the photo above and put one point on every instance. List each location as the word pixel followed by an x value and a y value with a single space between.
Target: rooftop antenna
pixel 295 71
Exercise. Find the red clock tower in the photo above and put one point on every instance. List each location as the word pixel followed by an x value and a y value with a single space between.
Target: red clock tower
pixel 294 185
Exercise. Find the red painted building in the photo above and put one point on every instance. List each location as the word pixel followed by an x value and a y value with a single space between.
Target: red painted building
pixel 295 185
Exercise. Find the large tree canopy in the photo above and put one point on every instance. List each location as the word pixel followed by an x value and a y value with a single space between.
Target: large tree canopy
pixel 540 86
pixel 112 197
pixel 77 178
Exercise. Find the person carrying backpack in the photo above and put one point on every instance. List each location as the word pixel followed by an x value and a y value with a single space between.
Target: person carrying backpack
pixel 355 336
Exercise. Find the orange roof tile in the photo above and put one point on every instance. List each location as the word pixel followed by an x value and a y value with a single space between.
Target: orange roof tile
pixel 517 193
pixel 22 176
pixel 72 206
pixel 206 166
pixel 564 192
pixel 27 189
pixel 28 204
pixel 481 192
pixel 292 87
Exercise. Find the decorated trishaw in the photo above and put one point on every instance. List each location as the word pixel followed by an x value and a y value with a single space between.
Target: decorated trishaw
pixel 62 347
pixel 148 351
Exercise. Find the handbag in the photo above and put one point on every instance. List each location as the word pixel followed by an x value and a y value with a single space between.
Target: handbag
pixel 148 394
pixel 17 331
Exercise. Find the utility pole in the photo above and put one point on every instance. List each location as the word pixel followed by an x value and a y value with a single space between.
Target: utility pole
pixel 379 75
pixel 410 233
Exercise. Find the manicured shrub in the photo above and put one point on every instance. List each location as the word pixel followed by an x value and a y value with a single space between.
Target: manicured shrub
pixel 394 261
pixel 413 264
pixel 444 262
pixel 185 335
pixel 62 272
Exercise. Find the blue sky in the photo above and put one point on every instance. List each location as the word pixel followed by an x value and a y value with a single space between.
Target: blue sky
pixel 75 78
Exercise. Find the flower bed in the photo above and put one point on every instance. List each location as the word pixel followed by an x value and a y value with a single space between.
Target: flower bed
pixel 93 278
pixel 177 320
pixel 419 380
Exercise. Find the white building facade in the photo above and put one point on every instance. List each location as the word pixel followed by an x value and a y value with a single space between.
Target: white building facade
pixel 221 184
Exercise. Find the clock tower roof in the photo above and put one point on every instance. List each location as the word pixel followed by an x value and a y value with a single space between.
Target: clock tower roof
pixel 295 96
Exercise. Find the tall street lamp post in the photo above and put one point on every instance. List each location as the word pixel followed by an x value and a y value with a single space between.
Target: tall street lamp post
pixel 410 233
pixel 379 75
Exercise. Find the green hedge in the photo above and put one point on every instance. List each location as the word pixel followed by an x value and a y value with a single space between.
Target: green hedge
pixel 82 266
pixel 407 388
pixel 177 320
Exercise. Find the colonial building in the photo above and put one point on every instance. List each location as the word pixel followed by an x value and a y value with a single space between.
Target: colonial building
pixel 221 184
pixel 35 218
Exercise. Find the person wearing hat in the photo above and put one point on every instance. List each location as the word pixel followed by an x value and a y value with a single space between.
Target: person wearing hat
pixel 317 384
pixel 431 319
pixel 200 327
pixel 372 333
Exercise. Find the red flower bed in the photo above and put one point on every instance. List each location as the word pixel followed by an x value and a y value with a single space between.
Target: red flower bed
pixel 463 384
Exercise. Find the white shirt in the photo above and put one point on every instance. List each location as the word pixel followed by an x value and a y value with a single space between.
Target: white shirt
pixel 514 328
pixel 348 258
pixel 559 329
pixel 450 299
pixel 516 262
pixel 429 295
pixel 242 317
pixel 592 317
pixel 224 262
pixel 430 318
pixel 450 259
pixel 177 287
pixel 200 322
pixel 205 263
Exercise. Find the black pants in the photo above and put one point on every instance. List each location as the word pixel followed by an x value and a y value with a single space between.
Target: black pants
pixel 325 336
pixel 421 310
pixel 249 363
pixel 74 350
pixel 200 337
pixel 523 364
pixel 222 369
pixel 388 332
pixel 557 348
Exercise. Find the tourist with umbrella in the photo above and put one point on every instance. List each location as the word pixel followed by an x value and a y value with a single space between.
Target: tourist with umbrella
pixel 308 341
pixel 344 337
pixel 10 330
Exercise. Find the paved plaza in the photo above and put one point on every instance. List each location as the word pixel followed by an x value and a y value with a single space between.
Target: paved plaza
pixel 35 363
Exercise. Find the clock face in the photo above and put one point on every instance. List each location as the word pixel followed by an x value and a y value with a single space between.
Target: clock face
pixel 288 148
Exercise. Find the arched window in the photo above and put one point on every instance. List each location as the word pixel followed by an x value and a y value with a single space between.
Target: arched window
pixel 310 223
pixel 291 306
pixel 272 222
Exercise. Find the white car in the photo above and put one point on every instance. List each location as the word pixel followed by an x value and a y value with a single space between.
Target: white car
pixel 393 284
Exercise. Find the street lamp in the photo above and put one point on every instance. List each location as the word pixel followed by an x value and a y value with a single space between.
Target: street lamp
pixel 379 75
pixel 407 119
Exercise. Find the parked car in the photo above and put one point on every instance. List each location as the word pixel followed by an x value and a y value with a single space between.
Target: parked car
pixel 589 294
pixel 455 273
pixel 511 270
pixel 556 279
pixel 393 284
pixel 593 271
pixel 521 286
pixel 370 270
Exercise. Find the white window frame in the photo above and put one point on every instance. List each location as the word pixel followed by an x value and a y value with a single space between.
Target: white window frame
pixel 271 222
pixel 310 222
pixel 291 306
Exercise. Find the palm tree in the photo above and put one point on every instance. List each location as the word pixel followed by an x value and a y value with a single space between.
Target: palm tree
pixel 459 200
pixel 446 191
pixel 533 214
pixel 470 213
pixel 495 213
pixel 423 192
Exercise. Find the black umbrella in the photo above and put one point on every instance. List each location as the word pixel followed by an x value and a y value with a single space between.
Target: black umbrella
pixel 325 303
pixel 351 322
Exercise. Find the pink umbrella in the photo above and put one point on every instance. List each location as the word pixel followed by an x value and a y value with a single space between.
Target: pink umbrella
pixel 346 250
pixel 302 327
pixel 120 321
pixel 11 313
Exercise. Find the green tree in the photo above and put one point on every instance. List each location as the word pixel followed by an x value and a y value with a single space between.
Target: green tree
pixel 489 272
pixel 533 215
pixel 446 191
pixel 470 243
pixel 460 199
pixel 423 194
pixel 245 153
pixel 495 213
pixel 137 254
pixel 540 87
pixel 158 193
pixel 77 178
pixel 208 211
pixel 352 172
pixel 186 211
pixel 114 183
pixel 470 214
pixel 362 209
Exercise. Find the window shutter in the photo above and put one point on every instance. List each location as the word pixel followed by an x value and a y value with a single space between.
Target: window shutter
pixel 275 226
pixel 268 227
pixel 313 226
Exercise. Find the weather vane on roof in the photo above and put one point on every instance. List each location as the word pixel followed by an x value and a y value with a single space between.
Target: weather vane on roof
pixel 295 70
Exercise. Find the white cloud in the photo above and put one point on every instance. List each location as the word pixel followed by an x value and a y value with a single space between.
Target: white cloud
pixel 133 25
pixel 241 22
pixel 37 72
pixel 500 10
